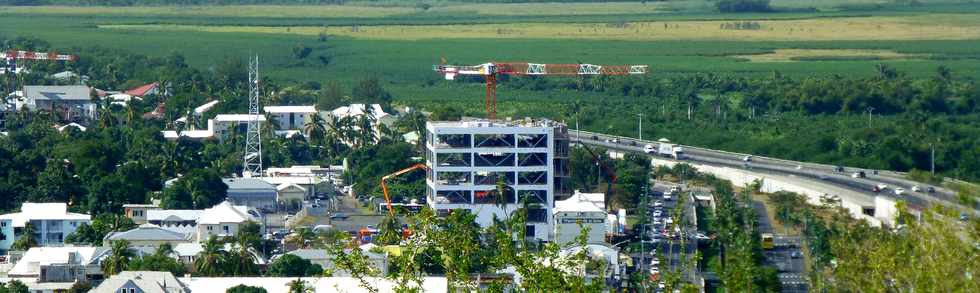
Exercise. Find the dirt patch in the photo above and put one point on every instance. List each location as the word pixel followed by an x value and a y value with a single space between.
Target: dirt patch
pixel 793 55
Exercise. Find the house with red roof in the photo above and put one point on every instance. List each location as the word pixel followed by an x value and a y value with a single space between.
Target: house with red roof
pixel 144 90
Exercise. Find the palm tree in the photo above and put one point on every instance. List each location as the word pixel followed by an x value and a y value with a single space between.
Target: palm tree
pixel 164 250
pixel 241 260
pixel 119 259
pixel 209 261
pixel 316 129
pixel 26 240
pixel 106 119
pixel 299 286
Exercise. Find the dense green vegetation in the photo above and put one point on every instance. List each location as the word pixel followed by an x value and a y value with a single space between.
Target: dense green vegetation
pixel 935 253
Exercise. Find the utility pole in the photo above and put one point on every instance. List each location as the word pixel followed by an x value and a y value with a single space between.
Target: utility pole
pixel 870 109
pixel 932 161
pixel 640 126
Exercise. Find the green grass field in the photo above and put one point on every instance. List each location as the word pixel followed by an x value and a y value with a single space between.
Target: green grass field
pixel 400 43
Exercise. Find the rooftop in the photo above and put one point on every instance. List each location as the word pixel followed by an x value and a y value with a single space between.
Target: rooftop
pixel 289 109
pixel 143 89
pixel 148 232
pixel 483 123
pixel 237 117
pixel 148 282
pixel 43 211
pixel 225 212
pixel 321 284
pixel 355 110
pixel 29 264
pixel 57 92
pixel 173 215
pixel 582 202
pixel 247 184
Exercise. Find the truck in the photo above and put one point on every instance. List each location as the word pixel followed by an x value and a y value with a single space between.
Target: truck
pixel 678 153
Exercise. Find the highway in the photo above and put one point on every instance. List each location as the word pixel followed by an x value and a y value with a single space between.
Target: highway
pixel 817 172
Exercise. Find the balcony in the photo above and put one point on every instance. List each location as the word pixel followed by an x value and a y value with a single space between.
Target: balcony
pixel 493 140
pixel 453 159
pixel 453 197
pixel 453 178
pixel 491 178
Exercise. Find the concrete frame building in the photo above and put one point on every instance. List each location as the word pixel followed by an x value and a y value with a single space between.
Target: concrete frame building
pixel 467 159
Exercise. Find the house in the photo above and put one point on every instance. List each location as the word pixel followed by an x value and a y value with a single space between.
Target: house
pixel 578 211
pixel 148 236
pixel 356 111
pixel 291 196
pixel 142 282
pixel 223 220
pixel 290 119
pixel 171 218
pixel 60 264
pixel 377 258
pixel 72 102
pixel 144 90
pixel 221 127
pixel 62 128
pixel 51 223
pixel 137 212
pixel 317 284
pixel 252 192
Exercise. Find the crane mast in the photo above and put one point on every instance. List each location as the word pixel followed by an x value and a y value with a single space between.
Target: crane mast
pixel 491 70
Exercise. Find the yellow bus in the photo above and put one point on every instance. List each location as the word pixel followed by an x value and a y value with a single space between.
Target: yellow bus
pixel 767 241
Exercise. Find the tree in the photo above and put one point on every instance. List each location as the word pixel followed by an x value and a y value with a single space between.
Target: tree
pixel 446 113
pixel 245 289
pixel 93 233
pixel 160 260
pixel 390 231
pixel 119 259
pixel 370 91
pixel 15 286
pixel 300 286
pixel 199 189
pixel 210 260
pixel 300 51
pixel 27 238
pixel 241 259
pixel 79 287
pixel 289 265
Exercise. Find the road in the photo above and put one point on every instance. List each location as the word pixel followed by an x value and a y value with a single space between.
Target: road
pixel 817 172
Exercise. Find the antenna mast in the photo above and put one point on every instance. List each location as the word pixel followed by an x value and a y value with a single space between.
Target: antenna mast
pixel 253 138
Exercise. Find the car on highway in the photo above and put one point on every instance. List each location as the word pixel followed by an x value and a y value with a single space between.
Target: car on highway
pixel 339 216
pixel 747 158
pixel 649 149
pixel 899 191
pixel 795 254
pixel 655 261
pixel 658 203
pixel 666 196
pixel 859 174
pixel 657 214
pixel 916 188
pixel 931 189
pixel 881 186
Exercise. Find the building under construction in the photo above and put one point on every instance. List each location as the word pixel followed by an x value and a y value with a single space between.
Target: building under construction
pixel 491 168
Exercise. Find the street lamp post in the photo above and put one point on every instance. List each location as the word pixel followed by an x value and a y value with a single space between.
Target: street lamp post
pixel 640 125
pixel 870 109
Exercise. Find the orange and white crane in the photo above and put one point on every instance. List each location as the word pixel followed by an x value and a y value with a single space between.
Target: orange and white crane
pixel 10 59
pixel 490 71
pixel 384 187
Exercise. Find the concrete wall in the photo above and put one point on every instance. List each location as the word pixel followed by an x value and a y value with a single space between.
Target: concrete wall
pixel 853 202
pixel 567 227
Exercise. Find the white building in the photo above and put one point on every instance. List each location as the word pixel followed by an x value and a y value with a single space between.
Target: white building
pixel 316 284
pixel 51 222
pixel 467 159
pixel 290 119
pixel 585 209
pixel 356 111
pixel 223 219
pixel 72 102
pixel 60 265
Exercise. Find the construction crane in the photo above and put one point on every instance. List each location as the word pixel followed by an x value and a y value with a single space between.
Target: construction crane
pixel 10 59
pixel 490 71
pixel 384 187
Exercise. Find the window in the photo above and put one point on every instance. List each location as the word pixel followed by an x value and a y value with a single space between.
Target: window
pixel 132 290
pixel 491 196
pixel 491 178
pixel 532 140
pixel 452 178
pixel 537 215
pixel 210 227
pixel 452 141
pixel 532 159
pixel 494 159
pixel 3 224
pixel 453 196
pixel 532 178
pixel 225 228
pixel 453 159
pixel 493 140
pixel 533 196
pixel 529 231
pixel 74 224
